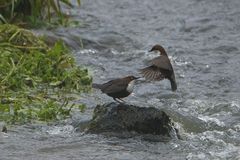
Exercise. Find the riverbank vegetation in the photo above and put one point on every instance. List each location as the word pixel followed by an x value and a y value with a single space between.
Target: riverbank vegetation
pixel 37 82
pixel 35 13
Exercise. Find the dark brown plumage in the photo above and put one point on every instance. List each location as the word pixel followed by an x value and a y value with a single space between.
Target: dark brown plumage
pixel 117 88
pixel 160 68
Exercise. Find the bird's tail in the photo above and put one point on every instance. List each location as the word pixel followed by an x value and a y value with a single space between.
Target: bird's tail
pixel 98 86
pixel 173 83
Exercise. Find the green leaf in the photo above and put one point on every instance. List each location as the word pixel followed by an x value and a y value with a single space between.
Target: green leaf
pixel 3 19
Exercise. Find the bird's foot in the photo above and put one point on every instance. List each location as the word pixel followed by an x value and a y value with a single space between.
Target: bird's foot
pixel 119 100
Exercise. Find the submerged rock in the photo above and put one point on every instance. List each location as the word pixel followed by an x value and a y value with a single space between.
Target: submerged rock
pixel 122 118
pixel 3 127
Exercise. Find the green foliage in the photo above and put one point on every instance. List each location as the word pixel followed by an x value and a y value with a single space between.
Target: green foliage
pixel 35 79
pixel 34 11
pixel 25 108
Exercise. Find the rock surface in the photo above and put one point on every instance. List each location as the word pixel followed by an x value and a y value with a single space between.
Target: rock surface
pixel 3 127
pixel 122 118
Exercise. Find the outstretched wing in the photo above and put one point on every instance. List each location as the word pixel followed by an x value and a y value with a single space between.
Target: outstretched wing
pixel 162 62
pixel 152 73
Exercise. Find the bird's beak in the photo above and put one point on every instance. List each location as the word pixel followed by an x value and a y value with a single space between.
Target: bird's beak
pixel 137 78
pixel 150 50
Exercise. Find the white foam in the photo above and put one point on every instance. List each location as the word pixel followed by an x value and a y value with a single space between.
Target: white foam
pixel 87 51
pixel 210 119
pixel 60 130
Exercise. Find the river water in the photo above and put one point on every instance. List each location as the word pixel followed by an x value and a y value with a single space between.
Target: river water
pixel 202 39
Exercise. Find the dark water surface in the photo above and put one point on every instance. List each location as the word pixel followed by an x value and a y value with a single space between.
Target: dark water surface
pixel 202 39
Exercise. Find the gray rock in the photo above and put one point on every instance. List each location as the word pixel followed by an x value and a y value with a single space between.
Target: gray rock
pixel 122 118
pixel 3 127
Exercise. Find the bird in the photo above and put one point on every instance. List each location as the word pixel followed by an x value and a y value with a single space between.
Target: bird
pixel 160 68
pixel 117 88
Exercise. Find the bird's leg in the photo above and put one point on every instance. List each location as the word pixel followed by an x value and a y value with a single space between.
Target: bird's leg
pixel 122 100
pixel 119 100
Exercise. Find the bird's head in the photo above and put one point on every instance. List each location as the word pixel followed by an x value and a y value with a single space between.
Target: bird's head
pixel 158 48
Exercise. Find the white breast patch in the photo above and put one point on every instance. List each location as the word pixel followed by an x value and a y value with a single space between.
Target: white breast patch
pixel 130 86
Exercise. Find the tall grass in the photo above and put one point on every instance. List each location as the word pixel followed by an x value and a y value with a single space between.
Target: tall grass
pixel 33 11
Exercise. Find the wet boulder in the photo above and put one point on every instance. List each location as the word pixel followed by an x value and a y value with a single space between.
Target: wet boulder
pixel 122 118
pixel 3 127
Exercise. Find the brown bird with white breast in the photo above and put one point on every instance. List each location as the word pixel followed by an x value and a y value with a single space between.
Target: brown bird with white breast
pixel 117 88
pixel 160 68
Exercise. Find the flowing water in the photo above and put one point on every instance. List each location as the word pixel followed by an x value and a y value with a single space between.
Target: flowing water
pixel 202 39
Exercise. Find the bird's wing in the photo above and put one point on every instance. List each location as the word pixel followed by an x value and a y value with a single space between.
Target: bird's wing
pixel 114 86
pixel 152 73
pixel 162 62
